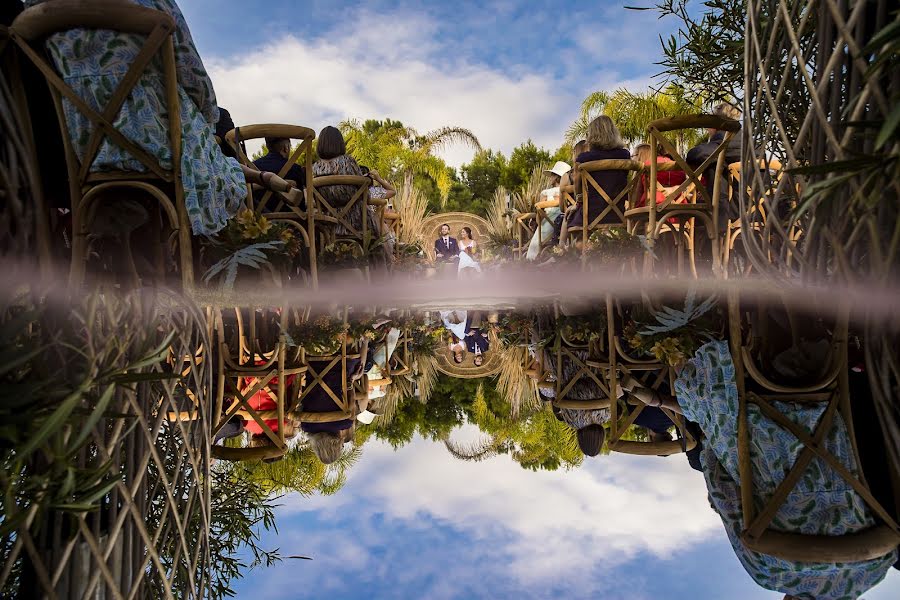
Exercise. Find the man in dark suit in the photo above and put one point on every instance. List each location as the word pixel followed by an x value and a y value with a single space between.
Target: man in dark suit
pixel 477 343
pixel 279 150
pixel 446 248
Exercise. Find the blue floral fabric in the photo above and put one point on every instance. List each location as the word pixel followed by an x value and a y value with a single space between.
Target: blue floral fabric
pixel 92 62
pixel 821 503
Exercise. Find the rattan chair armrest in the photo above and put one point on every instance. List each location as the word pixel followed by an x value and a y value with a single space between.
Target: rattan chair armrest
pixel 651 448
pixel 322 417
pixel 870 544
pixel 259 453
pixel 582 404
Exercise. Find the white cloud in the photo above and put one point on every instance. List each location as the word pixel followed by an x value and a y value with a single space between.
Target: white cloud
pixel 534 527
pixel 357 70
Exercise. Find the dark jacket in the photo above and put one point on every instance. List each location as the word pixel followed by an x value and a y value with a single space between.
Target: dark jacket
pixel 275 162
pixel 478 339
pixel 318 399
pixel 612 182
pixel 449 250
pixel 700 153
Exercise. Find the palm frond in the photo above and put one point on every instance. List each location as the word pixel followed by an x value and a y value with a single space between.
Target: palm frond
pixel 252 256
pixel 670 319
pixel 441 138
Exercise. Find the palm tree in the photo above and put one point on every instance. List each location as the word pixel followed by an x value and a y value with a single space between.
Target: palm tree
pixel 300 471
pixel 634 111
pixel 396 150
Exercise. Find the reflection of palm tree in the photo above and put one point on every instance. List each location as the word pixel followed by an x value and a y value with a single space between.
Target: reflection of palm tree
pixel 534 441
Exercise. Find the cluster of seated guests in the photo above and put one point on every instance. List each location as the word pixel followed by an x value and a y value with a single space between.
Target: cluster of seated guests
pixel 604 142
pixel 215 183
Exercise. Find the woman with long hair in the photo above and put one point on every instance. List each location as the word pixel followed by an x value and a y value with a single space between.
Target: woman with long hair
pixel 468 248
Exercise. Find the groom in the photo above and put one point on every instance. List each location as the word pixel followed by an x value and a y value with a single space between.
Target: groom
pixel 446 248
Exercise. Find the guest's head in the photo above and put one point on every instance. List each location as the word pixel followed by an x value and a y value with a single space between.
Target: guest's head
pixel 331 143
pixel 580 147
pixel 478 360
pixel 326 446
pixel 557 171
pixel 726 110
pixel 604 135
pixel 590 439
pixel 465 233
pixel 642 153
pixel 280 146
pixel 445 230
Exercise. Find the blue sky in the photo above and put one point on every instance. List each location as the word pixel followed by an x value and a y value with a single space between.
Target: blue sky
pixel 506 70
pixel 418 523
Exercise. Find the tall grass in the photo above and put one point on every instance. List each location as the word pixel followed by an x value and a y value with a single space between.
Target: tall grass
pixel 512 382
pixel 413 208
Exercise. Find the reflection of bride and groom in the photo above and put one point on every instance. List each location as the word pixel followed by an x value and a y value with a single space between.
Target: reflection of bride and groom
pixel 462 252
pixel 467 336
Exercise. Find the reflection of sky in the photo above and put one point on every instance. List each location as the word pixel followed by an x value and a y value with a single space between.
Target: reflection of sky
pixel 420 524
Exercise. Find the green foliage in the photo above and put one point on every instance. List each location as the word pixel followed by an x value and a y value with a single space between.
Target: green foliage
pixel 706 53
pixel 482 175
pixel 299 471
pixel 525 158
pixel 252 256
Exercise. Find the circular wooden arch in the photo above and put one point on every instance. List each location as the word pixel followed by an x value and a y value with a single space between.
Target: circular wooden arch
pixel 467 369
pixel 432 225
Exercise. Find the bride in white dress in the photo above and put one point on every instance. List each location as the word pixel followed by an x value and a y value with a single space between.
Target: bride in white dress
pixel 468 249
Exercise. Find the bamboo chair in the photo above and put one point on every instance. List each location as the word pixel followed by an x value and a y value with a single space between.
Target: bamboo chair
pixel 524 231
pixel 833 391
pixel 257 361
pixel 702 205
pixel 566 198
pixel 86 188
pixel 340 215
pixel 757 208
pixel 350 394
pixel 591 368
pixel 653 374
pixel 399 363
pixel 283 207
pixel 586 171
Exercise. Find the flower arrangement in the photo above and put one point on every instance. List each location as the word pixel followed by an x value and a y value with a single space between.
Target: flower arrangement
pixel 342 254
pixel 514 327
pixel 410 257
pixel 362 328
pixel 248 227
pixel 672 335
pixel 613 245
pixel 319 336
pixel 582 328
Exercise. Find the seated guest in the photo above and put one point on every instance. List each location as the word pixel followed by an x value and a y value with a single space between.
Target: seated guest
pixel 223 126
pixel 278 151
pixel 545 233
pixel 588 426
pixel 334 160
pixel 605 144
pixel 214 185
pixel 699 153
pixel 821 503
pixel 327 439
pixel 477 343
pixel 667 181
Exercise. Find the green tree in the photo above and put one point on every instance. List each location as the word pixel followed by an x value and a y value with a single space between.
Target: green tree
pixel 522 162
pixel 482 175
pixel 396 150
pixel 301 471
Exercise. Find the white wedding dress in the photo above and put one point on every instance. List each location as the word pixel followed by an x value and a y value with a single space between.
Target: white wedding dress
pixel 465 260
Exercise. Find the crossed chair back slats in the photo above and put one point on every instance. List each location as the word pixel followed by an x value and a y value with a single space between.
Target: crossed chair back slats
pixel 258 360
pixel 283 207
pixel 566 199
pixel 318 366
pixel 589 369
pixel 652 374
pixel 398 364
pixel 613 206
pixel 339 216
pixel 691 200
pixel 832 390
pixel 30 30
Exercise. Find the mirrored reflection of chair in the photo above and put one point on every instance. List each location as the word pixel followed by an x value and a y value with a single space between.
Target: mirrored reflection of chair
pixel 691 203
pixel 612 209
pixel 160 183
pixel 579 375
pixel 653 375
pixel 289 207
pixel 756 389
pixel 352 391
pixel 259 379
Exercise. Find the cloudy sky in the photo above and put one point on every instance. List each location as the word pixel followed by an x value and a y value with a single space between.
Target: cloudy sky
pixel 418 523
pixel 507 70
